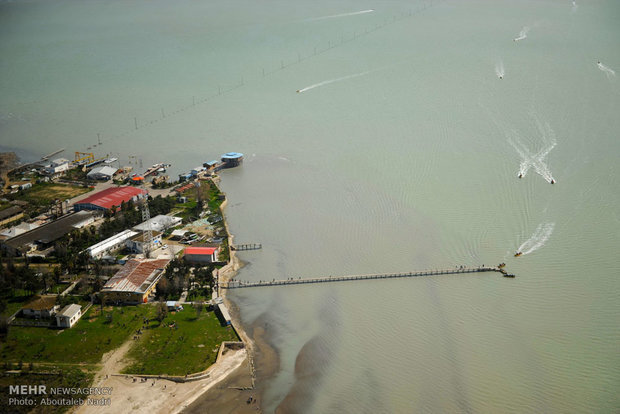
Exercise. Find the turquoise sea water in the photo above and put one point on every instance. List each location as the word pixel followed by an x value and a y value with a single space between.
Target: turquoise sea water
pixel 401 153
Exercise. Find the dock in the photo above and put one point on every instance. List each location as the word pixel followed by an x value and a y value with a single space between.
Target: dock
pixel 248 246
pixel 237 284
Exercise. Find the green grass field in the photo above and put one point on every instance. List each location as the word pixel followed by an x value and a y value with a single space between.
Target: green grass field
pixel 86 342
pixel 191 347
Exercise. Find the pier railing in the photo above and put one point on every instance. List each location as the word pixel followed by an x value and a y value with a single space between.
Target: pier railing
pixel 237 284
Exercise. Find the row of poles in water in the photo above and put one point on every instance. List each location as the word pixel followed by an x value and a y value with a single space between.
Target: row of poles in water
pixel 264 73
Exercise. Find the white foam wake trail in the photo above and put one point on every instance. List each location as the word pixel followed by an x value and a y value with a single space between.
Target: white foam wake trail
pixel 334 16
pixel 538 239
pixel 575 6
pixel 327 82
pixel 608 71
pixel 499 69
pixel 529 160
pixel 522 34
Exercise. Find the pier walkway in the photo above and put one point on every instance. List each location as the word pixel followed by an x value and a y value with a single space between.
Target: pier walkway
pixel 237 284
pixel 249 246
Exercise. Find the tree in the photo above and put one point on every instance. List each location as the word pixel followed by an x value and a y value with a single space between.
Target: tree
pixel 199 307
pixel 162 311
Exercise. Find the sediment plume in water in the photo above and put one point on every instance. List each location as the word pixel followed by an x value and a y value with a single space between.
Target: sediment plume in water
pixel 538 239
pixel 327 82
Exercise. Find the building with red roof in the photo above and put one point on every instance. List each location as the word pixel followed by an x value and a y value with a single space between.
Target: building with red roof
pixel 111 197
pixel 201 254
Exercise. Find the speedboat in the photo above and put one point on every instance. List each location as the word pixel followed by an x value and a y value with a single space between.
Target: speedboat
pixel 517 254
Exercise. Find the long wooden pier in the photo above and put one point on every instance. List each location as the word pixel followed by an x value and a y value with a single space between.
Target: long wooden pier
pixel 237 284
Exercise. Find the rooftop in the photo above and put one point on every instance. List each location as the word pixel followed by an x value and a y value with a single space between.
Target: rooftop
pixel 200 250
pixel 112 196
pixel 104 170
pixel 51 231
pixel 10 212
pixel 41 303
pixel 136 276
pixel 69 311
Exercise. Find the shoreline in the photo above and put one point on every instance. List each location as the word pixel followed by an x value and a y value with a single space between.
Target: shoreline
pixel 261 356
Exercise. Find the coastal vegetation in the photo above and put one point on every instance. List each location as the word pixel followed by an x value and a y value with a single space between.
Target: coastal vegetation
pixel 99 331
pixel 185 342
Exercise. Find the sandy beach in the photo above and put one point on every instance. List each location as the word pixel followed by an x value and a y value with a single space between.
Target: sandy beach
pixel 132 394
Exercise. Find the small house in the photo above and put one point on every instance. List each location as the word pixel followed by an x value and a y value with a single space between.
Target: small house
pixel 201 254
pixel 42 307
pixel 68 316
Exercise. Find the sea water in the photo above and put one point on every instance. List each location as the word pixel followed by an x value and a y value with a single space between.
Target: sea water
pixel 400 161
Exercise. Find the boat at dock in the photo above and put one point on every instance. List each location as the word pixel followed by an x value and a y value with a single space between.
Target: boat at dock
pixel 509 275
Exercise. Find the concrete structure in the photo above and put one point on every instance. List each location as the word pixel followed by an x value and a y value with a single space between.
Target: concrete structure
pixel 43 237
pixel 102 173
pixel 159 223
pixel 201 254
pixel 109 198
pixel 11 214
pixel 178 234
pixel 197 170
pixel 110 245
pixel 57 166
pixel 232 159
pixel 19 229
pixel 68 316
pixel 135 281
pixel 136 243
pixel 223 311
pixel 42 307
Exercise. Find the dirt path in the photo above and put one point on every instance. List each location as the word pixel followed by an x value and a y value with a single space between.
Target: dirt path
pixel 131 394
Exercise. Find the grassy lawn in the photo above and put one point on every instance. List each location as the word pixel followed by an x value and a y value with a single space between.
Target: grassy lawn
pixel 45 193
pixel 86 342
pixel 17 301
pixel 191 347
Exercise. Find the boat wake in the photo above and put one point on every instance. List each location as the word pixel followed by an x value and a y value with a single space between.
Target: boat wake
pixel 608 71
pixel 499 69
pixel 538 239
pixel 334 16
pixel 522 34
pixel 327 82
pixel 537 160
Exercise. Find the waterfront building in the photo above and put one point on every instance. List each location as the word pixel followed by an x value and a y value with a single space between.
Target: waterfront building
pixel 135 281
pixel 57 166
pixel 232 159
pixel 201 254
pixel 102 173
pixel 109 198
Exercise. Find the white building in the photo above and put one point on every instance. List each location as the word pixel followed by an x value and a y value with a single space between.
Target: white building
pixel 68 316
pixel 196 170
pixel 57 166
pixel 136 243
pixel 107 246
pixel 19 229
pixel 102 173
pixel 159 223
